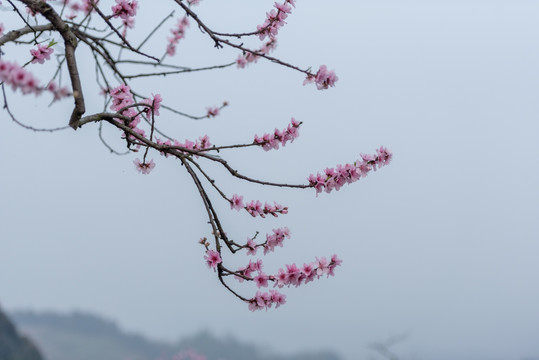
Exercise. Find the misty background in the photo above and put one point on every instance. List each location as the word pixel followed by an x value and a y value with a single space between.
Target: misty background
pixel 442 245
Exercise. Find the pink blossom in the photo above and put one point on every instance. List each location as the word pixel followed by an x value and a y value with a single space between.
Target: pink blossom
pixel 335 261
pixel 59 93
pixel 277 298
pixel 255 209
pixel 259 301
pixel 241 62
pixel 19 78
pixel 308 272
pixel 335 178
pixel 293 274
pixel 212 258
pixel 2 28
pixel 255 265
pixel 323 78
pixel 213 111
pixel 274 20
pixel 121 99
pixel 128 23
pixel 236 202
pixel 276 239
pixel 202 143
pixel 253 305
pixel 121 92
pixel 272 141
pixel 249 57
pixel 383 157
pixel 284 7
pixel 41 54
pixel 143 167
pixel 178 33
pixel 296 276
pixel 154 105
pixel 282 278
pixel 266 300
pixel 261 280
pixel 125 9
pixel 322 266
pixel 241 271
pixel 251 247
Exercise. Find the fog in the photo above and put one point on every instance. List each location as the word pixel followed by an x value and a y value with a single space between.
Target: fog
pixel 442 245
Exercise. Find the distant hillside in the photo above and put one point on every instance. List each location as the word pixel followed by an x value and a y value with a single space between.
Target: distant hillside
pixel 80 336
pixel 12 345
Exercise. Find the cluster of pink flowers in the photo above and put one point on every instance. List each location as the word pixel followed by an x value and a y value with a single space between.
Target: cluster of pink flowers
pixel 202 143
pixel 212 258
pixel 323 78
pixel 125 9
pixel 335 178
pixel 59 92
pixel 272 240
pixel 264 300
pixel 85 6
pixel 2 29
pixel 248 57
pixel 275 20
pixel 153 105
pixel 19 78
pixel 14 75
pixel 292 275
pixel 42 53
pixel 193 2
pixel 212 111
pixel 275 239
pixel 178 33
pixel 144 167
pixel 272 141
pixel 248 270
pixel 296 276
pixel 122 98
pixel 128 23
pixel 255 207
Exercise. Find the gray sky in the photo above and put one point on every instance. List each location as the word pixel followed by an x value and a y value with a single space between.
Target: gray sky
pixel 442 244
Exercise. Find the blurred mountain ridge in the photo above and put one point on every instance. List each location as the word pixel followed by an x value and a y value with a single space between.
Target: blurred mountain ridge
pixel 85 336
pixel 13 346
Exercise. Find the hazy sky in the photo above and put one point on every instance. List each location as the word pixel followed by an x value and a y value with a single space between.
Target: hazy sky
pixel 443 244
